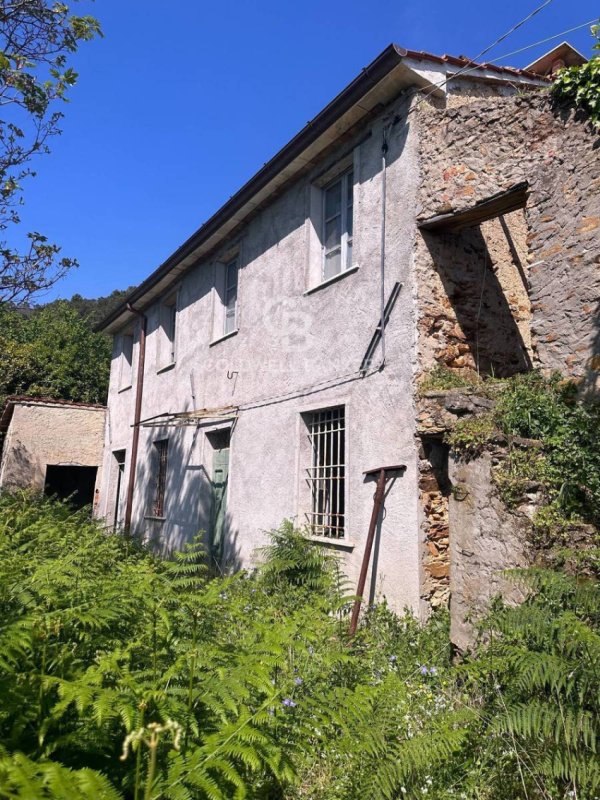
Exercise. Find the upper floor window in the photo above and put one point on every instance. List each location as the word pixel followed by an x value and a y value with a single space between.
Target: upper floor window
pixel 125 376
pixel 168 312
pixel 230 296
pixel 338 203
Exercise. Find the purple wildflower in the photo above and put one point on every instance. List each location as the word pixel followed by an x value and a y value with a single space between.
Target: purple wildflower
pixel 288 702
pixel 433 671
pixel 298 681
pixel 424 671
pixel 393 659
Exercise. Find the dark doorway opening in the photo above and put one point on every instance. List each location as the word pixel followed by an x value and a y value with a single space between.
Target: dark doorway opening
pixel 75 484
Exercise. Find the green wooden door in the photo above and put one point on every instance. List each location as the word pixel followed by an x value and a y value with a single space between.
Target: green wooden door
pixel 219 488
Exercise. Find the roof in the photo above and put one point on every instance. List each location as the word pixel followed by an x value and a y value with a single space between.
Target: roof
pixel 564 52
pixel 394 69
pixel 6 413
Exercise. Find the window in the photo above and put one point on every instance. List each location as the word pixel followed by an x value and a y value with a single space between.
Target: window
pixel 169 326
pixel 119 482
pixel 337 225
pixel 161 449
pixel 230 295
pixel 126 360
pixel 326 474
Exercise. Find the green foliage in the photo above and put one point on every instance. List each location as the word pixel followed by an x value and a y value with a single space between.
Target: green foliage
pixel 36 39
pixel 471 434
pixel 563 460
pixel 567 465
pixel 124 675
pixel 580 86
pixel 441 378
pixel 52 352
pixel 94 310
pixel 538 680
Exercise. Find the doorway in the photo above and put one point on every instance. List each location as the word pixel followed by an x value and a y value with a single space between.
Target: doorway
pixel 75 484
pixel 119 467
pixel 220 441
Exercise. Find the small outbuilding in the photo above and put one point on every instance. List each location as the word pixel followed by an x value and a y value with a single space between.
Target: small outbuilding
pixel 53 446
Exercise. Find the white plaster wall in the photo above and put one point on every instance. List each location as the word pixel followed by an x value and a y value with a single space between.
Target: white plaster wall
pixel 39 435
pixel 287 342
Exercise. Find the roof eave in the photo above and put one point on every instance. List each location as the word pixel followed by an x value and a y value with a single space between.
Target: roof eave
pixel 344 102
pixel 391 71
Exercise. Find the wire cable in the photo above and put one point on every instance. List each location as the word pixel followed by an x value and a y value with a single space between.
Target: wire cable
pixel 472 65
pixel 543 41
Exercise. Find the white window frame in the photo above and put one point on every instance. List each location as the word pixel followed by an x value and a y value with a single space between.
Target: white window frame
pixel 346 214
pixel 230 287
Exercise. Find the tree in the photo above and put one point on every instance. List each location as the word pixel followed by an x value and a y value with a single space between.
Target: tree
pixel 36 39
pixel 52 351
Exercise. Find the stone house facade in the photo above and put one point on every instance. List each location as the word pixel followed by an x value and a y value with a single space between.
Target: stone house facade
pixel 275 357
pixel 51 446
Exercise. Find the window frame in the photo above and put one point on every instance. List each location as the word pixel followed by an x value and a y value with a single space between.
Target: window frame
pixel 126 368
pixel 346 215
pixel 167 346
pixel 161 454
pixel 326 477
pixel 228 287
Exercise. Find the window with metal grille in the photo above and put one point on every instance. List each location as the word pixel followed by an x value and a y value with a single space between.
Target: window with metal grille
pixel 326 475
pixel 161 453
pixel 338 205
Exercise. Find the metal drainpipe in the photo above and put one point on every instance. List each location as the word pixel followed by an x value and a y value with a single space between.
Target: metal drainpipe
pixel 137 416
pixel 384 149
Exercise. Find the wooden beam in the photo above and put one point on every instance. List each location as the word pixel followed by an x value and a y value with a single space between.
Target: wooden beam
pixel 494 206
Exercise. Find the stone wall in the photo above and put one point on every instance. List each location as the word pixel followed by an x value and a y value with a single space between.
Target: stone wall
pixel 486 540
pixel 434 491
pixel 526 286
pixel 43 434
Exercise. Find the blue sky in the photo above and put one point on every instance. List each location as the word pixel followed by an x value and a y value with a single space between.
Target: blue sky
pixel 181 102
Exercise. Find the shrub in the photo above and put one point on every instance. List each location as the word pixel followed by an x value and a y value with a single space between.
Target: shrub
pixel 127 676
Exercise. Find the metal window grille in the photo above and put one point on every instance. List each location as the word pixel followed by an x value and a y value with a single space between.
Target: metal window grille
pixel 326 475
pixel 162 449
pixel 338 211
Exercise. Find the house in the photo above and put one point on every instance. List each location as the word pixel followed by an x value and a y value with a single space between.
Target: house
pixel 433 213
pixel 52 446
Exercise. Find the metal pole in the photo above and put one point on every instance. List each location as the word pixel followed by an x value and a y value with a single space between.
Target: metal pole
pixel 377 504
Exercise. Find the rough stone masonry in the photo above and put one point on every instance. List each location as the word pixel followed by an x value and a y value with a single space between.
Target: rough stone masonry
pixel 527 285
pixel 515 292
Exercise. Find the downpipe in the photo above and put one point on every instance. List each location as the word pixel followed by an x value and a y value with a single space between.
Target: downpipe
pixel 136 417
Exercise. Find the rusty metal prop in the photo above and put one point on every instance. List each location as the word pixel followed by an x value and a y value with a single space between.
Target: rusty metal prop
pixel 384 475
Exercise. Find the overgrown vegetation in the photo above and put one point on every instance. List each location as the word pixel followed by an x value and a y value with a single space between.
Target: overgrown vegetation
pixel 580 86
pixel 127 676
pixel 442 378
pixel 52 351
pixel 561 457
